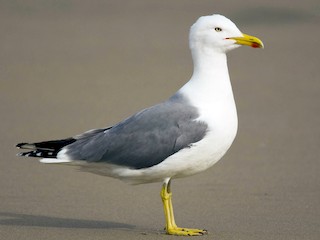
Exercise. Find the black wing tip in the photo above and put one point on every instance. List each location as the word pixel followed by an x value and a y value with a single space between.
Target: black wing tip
pixel 20 145
pixel 24 154
pixel 38 154
pixel 25 146
pixel 46 149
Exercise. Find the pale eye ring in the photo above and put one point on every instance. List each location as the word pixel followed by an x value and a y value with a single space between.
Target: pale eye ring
pixel 218 29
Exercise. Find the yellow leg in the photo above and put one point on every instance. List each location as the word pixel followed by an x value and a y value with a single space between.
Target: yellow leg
pixel 171 227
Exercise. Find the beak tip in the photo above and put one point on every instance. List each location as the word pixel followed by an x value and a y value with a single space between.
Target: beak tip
pixel 257 45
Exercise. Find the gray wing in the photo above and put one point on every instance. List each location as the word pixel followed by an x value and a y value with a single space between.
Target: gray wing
pixel 145 139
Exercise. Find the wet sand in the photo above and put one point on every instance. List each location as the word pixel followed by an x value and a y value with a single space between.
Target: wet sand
pixel 70 66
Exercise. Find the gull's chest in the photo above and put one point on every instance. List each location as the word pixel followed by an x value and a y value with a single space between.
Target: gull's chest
pixel 222 124
pixel 220 114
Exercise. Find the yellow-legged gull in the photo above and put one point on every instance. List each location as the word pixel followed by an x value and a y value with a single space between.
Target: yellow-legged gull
pixel 179 137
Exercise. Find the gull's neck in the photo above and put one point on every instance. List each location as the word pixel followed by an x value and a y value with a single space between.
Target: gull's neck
pixel 210 80
pixel 210 91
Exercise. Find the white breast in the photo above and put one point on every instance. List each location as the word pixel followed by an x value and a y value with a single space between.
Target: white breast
pixel 222 128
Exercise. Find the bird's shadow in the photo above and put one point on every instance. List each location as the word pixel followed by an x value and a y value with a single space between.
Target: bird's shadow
pixel 16 219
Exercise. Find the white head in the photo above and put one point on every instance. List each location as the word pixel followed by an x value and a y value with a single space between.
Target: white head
pixel 219 34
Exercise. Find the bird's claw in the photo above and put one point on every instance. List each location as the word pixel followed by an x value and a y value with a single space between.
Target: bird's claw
pixel 186 231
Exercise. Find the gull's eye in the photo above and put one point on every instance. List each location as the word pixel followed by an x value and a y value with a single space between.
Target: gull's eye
pixel 218 29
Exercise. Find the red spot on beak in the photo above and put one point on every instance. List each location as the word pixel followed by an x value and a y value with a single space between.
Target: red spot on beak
pixel 255 45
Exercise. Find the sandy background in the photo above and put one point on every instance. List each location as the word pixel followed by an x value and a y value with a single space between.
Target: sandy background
pixel 69 66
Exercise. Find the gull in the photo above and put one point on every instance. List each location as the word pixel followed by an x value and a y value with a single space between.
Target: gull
pixel 182 136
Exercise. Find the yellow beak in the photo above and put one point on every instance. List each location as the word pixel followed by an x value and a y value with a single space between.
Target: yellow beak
pixel 248 40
